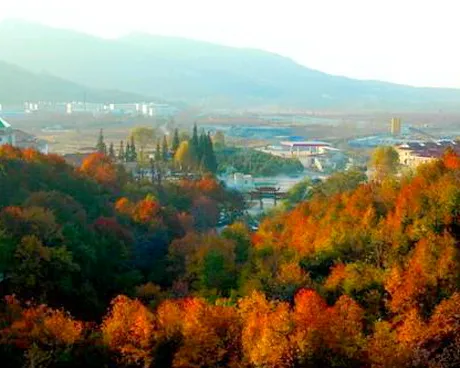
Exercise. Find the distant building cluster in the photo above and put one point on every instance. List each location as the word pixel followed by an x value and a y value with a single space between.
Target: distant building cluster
pixel 415 154
pixel 315 155
pixel 397 135
pixel 151 109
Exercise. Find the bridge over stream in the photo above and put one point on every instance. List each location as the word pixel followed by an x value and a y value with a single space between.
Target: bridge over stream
pixel 266 192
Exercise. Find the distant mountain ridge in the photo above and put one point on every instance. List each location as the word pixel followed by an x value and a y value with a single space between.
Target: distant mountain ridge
pixel 18 85
pixel 203 73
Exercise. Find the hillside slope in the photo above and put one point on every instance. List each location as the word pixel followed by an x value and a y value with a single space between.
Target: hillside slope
pixel 20 85
pixel 201 72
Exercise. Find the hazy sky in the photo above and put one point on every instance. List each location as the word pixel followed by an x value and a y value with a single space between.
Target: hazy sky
pixel 407 41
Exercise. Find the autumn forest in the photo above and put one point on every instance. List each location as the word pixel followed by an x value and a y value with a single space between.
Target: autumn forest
pixel 100 270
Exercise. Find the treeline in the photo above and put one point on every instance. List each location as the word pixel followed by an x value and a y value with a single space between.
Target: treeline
pixel 362 274
pixel 184 153
pixel 194 153
pixel 256 163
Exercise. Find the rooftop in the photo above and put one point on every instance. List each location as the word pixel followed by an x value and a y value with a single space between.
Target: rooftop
pixel 430 149
pixel 305 144
pixel 4 124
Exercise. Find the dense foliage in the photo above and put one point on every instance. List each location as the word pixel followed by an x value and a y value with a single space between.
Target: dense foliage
pixel 362 274
pixel 76 238
pixel 256 163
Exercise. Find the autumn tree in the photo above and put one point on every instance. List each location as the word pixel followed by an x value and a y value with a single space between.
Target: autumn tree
pixel 100 168
pixel 142 137
pixel 339 182
pixel 298 193
pixel 128 330
pixel 440 345
pixel 286 281
pixel 428 274
pixel 219 139
pixel 45 335
pixel 238 232
pixel 345 337
pixel 267 326
pixel 146 210
pixel 205 212
pixel 183 156
pixel 311 324
pixel 211 336
pixel 205 262
pixel 384 161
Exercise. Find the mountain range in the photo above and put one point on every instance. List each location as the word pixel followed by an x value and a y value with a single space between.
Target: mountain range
pixel 195 72
pixel 19 85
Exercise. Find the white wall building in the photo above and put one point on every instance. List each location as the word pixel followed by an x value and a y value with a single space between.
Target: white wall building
pixel 20 139
pixel 7 135
pixel 312 154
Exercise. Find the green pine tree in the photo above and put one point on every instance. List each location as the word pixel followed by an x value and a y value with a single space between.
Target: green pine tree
pixel 121 152
pixel 158 152
pixel 202 146
pixel 133 153
pixel 128 152
pixel 195 139
pixel 175 142
pixel 100 145
pixel 211 155
pixel 194 149
pixel 203 168
pixel 164 149
pixel 111 151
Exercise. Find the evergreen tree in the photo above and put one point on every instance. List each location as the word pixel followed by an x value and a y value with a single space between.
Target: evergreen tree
pixel 194 149
pixel 158 152
pixel 175 142
pixel 128 152
pixel 133 153
pixel 111 151
pixel 101 146
pixel 152 169
pixel 208 162
pixel 195 140
pixel 203 168
pixel 212 160
pixel 202 146
pixel 164 149
pixel 155 172
pixel 121 152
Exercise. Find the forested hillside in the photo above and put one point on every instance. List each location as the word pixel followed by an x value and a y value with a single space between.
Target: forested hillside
pixel 101 270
